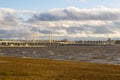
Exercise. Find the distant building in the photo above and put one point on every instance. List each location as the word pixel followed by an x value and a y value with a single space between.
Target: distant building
pixel 64 42
pixel 108 42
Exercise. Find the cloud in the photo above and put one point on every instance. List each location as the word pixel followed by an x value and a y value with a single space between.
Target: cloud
pixel 71 23
pixel 73 13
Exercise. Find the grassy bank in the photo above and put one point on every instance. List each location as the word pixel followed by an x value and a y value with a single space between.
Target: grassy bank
pixel 41 69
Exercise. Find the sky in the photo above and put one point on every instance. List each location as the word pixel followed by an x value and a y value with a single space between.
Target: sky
pixel 45 5
pixel 66 19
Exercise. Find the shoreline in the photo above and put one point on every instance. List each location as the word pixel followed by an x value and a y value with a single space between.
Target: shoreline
pixel 30 58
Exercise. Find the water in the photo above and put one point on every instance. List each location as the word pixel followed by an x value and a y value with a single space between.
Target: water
pixel 62 54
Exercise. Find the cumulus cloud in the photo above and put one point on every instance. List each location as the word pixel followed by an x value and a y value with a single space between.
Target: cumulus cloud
pixel 71 22
pixel 73 13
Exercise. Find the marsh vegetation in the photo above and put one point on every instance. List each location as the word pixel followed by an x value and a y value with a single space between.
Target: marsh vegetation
pixel 12 68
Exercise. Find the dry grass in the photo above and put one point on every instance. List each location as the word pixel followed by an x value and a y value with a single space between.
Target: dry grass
pixel 41 69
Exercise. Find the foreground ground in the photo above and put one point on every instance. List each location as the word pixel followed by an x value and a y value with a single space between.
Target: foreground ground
pixel 41 69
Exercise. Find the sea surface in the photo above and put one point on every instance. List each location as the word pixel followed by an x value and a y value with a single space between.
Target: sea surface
pixel 96 54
